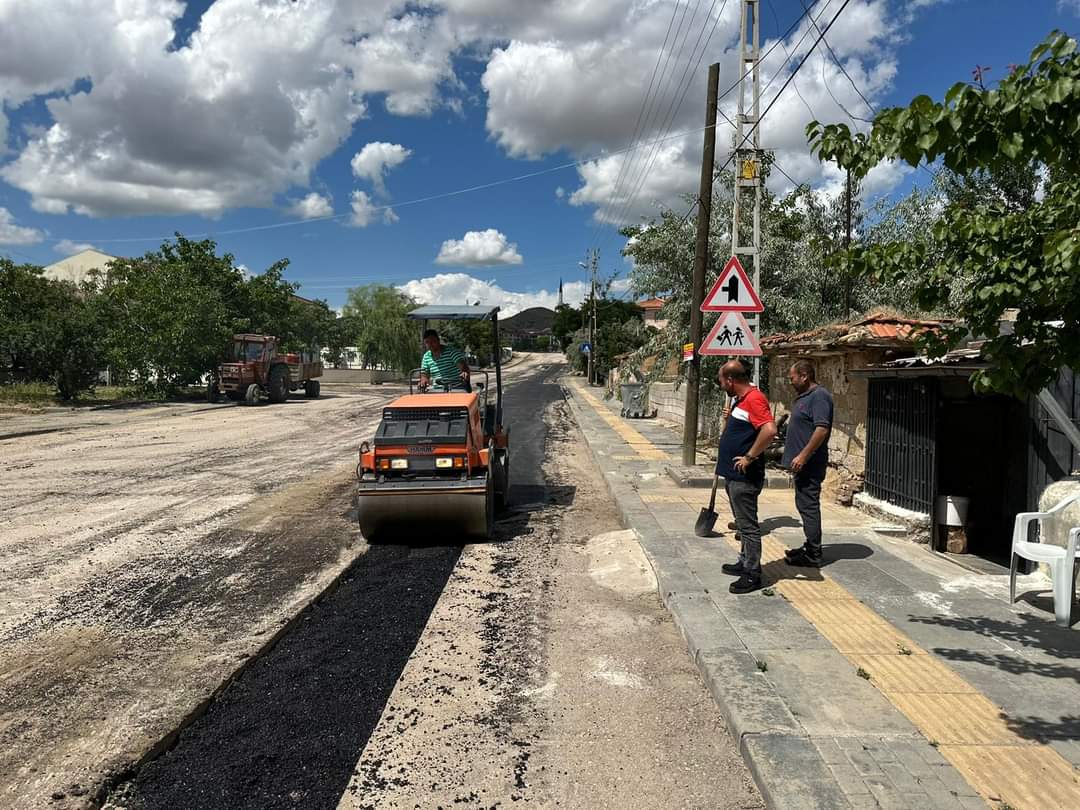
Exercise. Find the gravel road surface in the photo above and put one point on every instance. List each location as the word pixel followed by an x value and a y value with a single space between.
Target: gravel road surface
pixel 539 669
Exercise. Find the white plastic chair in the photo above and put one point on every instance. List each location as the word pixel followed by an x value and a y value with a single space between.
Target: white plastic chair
pixel 1062 561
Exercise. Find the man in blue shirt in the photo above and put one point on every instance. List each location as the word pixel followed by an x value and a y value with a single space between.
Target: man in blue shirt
pixel 806 454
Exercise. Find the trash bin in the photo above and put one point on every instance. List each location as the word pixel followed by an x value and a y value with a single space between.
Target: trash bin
pixel 952 510
pixel 633 400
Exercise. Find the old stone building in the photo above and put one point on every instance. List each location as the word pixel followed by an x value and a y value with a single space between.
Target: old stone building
pixel 837 350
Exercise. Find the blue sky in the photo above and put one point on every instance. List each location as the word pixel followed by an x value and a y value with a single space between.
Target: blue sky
pixel 126 121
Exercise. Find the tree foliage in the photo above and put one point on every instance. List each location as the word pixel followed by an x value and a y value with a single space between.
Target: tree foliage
pixel 385 337
pixel 49 329
pixel 999 242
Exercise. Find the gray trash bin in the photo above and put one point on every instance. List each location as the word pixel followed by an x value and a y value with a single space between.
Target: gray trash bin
pixel 633 400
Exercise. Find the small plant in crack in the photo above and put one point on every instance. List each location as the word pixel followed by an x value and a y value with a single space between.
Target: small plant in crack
pixel 762 666
pixel 900 648
pixel 862 673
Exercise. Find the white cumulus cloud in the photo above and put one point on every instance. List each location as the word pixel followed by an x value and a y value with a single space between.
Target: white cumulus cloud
pixel 12 234
pixel 365 211
pixel 65 247
pixel 487 248
pixel 375 160
pixel 457 288
pixel 313 206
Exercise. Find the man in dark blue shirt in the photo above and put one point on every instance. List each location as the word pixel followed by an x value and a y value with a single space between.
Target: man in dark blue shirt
pixel 806 454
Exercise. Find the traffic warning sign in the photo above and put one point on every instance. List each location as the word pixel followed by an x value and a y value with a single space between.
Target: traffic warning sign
pixel 731 335
pixel 732 292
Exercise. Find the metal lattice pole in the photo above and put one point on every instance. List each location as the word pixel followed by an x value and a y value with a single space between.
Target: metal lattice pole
pixel 748 150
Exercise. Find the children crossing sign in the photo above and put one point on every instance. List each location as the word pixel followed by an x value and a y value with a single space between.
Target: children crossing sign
pixel 731 335
pixel 733 291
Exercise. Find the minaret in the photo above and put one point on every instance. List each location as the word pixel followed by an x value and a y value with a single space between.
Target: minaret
pixel 560 293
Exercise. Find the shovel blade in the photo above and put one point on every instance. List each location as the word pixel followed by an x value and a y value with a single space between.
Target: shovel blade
pixel 705 521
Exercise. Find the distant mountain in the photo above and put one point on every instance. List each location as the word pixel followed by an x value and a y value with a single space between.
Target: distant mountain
pixel 528 323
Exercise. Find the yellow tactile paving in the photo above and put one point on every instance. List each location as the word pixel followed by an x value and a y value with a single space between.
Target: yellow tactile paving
pixel 838 611
pixel 893 672
pixel 653 497
pixel 1017 776
pixel 865 638
pixel 957 718
pixel 799 590
pixel 970 731
pixel 641 445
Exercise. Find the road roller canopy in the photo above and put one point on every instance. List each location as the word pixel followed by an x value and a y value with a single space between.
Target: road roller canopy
pixel 453 312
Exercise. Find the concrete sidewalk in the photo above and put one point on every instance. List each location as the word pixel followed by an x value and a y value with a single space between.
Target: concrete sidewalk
pixel 891 678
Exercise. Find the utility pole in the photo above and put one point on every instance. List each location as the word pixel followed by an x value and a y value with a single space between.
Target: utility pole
pixel 701 261
pixel 748 150
pixel 592 258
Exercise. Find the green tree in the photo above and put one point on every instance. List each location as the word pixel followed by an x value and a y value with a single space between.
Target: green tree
pixel 567 320
pixel 168 313
pixel 1000 243
pixel 385 337
pixel 49 330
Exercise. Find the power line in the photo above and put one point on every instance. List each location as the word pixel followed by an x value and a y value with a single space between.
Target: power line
pixel 645 103
pixel 443 195
pixel 677 98
pixel 851 81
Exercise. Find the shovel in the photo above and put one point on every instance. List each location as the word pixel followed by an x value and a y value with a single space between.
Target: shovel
pixel 706 518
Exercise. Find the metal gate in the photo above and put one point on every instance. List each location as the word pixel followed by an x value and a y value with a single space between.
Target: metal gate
pixel 1052 457
pixel 900 442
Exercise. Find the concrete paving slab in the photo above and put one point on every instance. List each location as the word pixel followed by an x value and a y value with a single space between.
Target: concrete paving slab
pixel 702 625
pixel 792 774
pixel 864 577
pixel 824 692
pixel 767 623
pixel 746 698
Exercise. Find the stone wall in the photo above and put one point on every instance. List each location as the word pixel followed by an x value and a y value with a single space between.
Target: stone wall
pixel 847 443
pixel 359 376
pixel 1056 529
pixel 670 405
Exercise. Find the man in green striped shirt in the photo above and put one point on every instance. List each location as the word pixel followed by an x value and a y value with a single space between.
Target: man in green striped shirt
pixel 443 364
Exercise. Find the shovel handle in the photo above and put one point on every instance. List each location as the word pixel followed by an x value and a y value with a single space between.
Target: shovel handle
pixel 712 498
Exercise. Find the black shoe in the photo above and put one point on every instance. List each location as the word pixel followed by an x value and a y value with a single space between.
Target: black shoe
pixel 794 552
pixel 747 583
pixel 735 569
pixel 732 525
pixel 804 559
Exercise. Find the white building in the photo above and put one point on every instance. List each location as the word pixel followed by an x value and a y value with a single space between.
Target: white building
pixel 77 268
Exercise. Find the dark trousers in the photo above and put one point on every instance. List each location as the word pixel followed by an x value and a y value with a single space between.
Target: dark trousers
pixel 808 502
pixel 743 496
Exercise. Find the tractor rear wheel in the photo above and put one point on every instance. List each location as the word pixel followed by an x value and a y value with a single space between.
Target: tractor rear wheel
pixel 252 395
pixel 213 393
pixel 311 389
pixel 277 386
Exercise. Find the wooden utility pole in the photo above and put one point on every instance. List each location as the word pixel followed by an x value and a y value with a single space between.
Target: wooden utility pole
pixel 592 327
pixel 701 262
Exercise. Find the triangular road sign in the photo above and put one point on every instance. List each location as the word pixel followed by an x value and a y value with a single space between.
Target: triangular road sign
pixel 731 335
pixel 732 292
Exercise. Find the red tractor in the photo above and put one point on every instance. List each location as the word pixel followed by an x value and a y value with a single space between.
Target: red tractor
pixel 255 369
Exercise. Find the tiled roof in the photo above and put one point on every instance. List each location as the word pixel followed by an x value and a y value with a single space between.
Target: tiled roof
pixel 877 330
pixel 651 303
